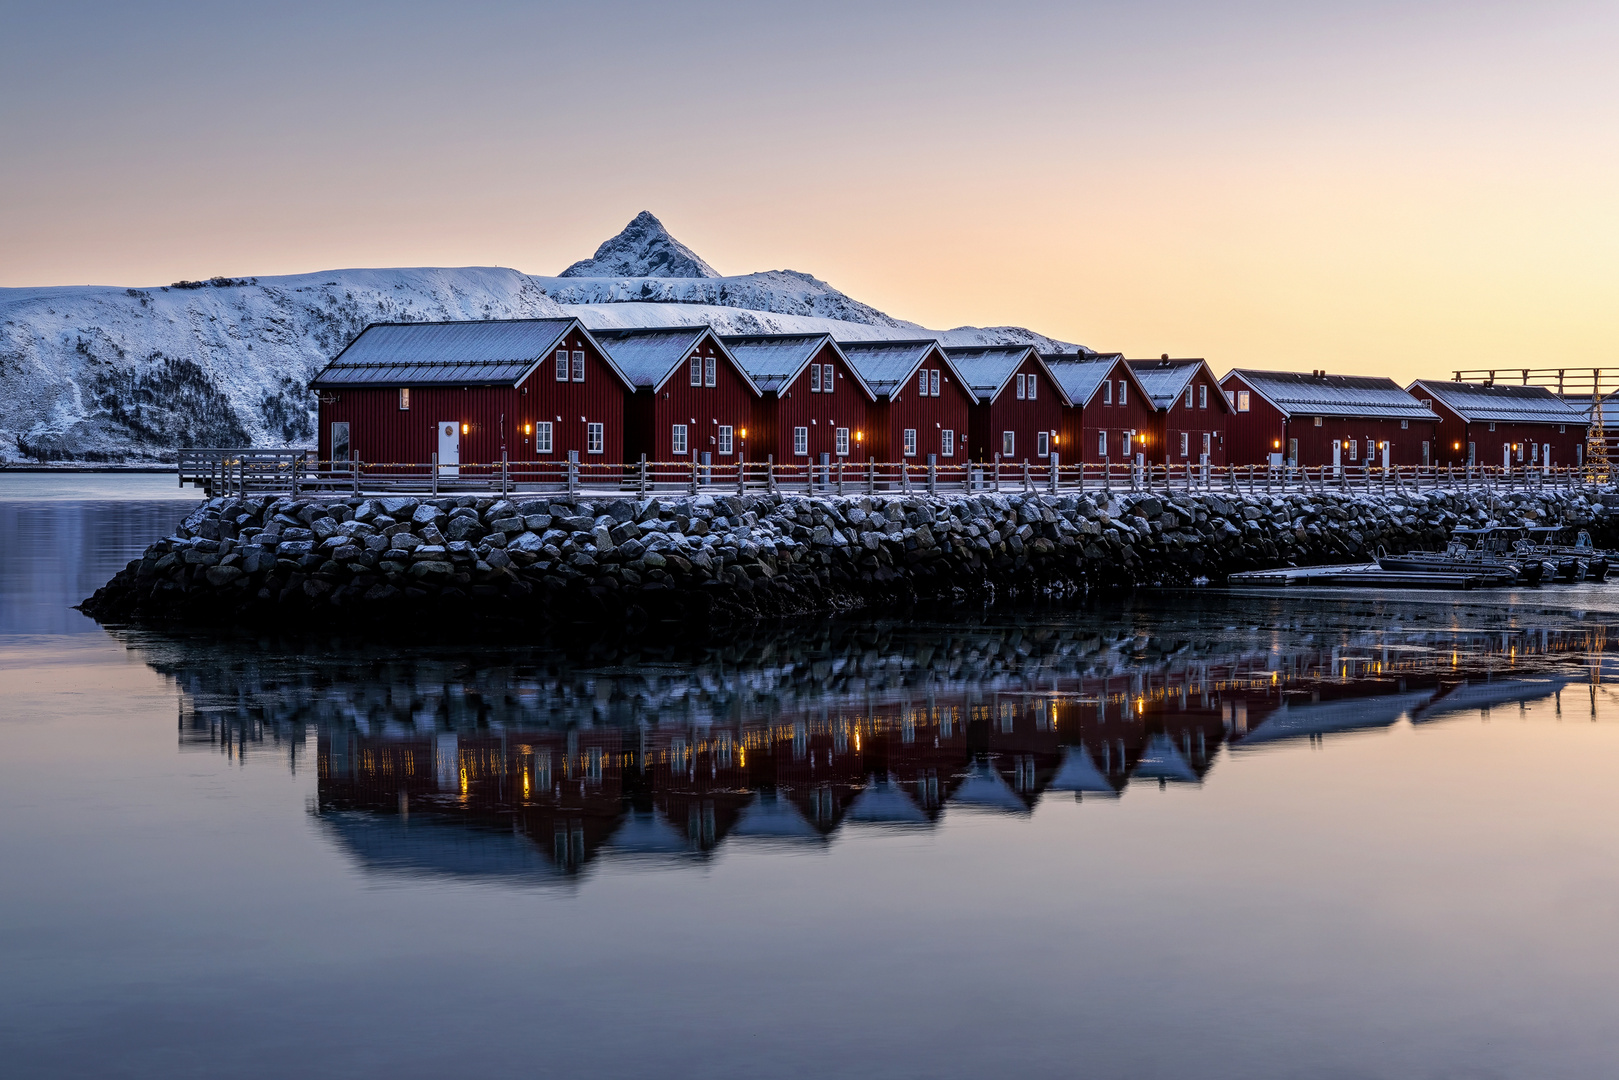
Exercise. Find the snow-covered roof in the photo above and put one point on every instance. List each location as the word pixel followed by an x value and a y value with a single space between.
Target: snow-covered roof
pixel 985 789
pixel 1080 376
pixel 1161 760
pixel 773 361
pixel 771 817
pixel 887 366
pixel 1078 772
pixel 1165 379
pixel 1291 721
pixel 884 802
pixel 499 352
pixel 1499 403
pixel 988 369
pixel 650 355
pixel 1299 392
pixel 1470 697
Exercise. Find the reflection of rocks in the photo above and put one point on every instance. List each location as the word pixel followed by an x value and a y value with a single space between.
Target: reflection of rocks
pixel 552 758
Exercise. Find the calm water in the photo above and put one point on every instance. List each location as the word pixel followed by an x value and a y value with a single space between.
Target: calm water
pixel 1180 835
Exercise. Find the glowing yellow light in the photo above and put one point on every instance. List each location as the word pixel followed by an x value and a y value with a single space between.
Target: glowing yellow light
pixel 860 436
pixel 525 783
pixel 463 780
pixel 742 757
pixel 1455 446
pixel 743 434
pixel 1055 439
pixel 1276 444
pixel 528 429
pixel 465 428
pixel 857 740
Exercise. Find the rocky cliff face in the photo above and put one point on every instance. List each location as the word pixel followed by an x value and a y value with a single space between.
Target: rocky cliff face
pixel 642 249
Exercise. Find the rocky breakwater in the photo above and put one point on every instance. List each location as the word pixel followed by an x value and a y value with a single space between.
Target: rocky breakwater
pixel 737 557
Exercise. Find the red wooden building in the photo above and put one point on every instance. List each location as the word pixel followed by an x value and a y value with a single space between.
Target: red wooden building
pixel 813 407
pixel 923 404
pixel 1112 417
pixel 1310 419
pixel 691 402
pixel 472 392
pixel 1190 426
pixel 1500 424
pixel 1019 404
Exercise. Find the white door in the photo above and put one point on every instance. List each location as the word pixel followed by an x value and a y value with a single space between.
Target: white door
pixel 1546 457
pixel 1386 456
pixel 1506 455
pixel 449 448
pixel 1337 456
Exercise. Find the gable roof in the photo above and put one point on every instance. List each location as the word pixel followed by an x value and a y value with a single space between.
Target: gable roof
pixel 1500 402
pixel 888 366
pixel 494 352
pixel 651 355
pixel 773 361
pixel 1166 379
pixel 1299 392
pixel 988 369
pixel 1081 376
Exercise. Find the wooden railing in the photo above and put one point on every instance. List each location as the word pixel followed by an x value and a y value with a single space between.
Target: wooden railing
pixel 235 471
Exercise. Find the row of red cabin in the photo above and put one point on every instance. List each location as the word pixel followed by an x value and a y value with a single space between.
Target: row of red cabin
pixel 410 391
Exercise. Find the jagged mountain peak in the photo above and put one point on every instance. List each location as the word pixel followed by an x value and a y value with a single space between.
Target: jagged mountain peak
pixel 642 249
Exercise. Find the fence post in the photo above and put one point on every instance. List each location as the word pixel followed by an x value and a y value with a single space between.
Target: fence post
pixel 1028 483
pixel 693 473
pixel 354 467
pixel 871 475
pixel 770 472
pixel 505 475
pixel 435 474
pixel 573 477
pixel 641 484
pixel 741 476
pixel 933 478
pixel 1054 474
pixel 840 476
pixel 967 475
pixel 1107 474
pixel 997 473
pixel 905 476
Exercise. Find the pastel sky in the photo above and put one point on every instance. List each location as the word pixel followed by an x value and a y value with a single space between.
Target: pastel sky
pixel 1400 188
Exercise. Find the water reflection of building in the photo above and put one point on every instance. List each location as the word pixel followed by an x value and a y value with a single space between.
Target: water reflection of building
pixel 534 764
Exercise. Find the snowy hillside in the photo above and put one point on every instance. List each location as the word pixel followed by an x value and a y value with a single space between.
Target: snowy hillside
pixel 108 374
pixel 97 373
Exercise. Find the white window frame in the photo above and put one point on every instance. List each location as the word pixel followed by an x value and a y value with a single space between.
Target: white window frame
pixel 1318 421
pixel 725 440
pixel 562 365
pixel 1188 395
pixel 711 371
pixel 1107 391
pixel 542 437
pixel 1034 381
pixel 578 365
pixel 815 378
pixel 595 439
pixel 1203 396
pixel 1244 400
pixel 1008 444
pixel 947 443
pixel 697 371
pixel 1042 444
pixel 1186 444
pixel 829 379
pixel 1123 397
pixel 1230 398
pixel 1101 443
pixel 909 446
pixel 1405 425
pixel 841 441
pixel 921 383
pixel 677 438
pixel 1208 443
pixel 404 399
pixel 1022 392
pixel 801 440
pixel 933 379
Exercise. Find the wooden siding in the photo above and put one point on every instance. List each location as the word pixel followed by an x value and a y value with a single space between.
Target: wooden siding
pixel 1137 414
pixel 929 416
pixel 1024 418
pixel 1194 422
pixel 820 413
pixel 380 431
pixel 1567 446
pixel 1253 436
pixel 703 409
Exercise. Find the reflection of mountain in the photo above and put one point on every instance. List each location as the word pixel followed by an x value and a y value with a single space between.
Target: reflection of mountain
pixel 532 764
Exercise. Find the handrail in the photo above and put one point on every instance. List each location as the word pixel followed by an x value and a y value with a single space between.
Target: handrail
pixel 228 470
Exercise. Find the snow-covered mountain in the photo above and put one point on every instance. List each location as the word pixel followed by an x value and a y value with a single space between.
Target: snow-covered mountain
pixel 103 373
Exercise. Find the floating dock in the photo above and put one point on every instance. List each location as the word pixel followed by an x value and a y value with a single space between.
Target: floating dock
pixel 1367 576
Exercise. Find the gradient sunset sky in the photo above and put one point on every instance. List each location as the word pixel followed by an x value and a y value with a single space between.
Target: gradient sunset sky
pixel 1392 188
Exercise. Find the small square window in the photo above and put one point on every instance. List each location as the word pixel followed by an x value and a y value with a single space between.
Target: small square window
pixel 678 438
pixel 800 440
pixel 593 438
pixel 1042 444
pixel 542 438
pixel 1318 421
pixel 910 442
pixel 725 439
pixel 1243 400
pixel 1008 443
pixel 841 441
pixel 1405 425
pixel 947 443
